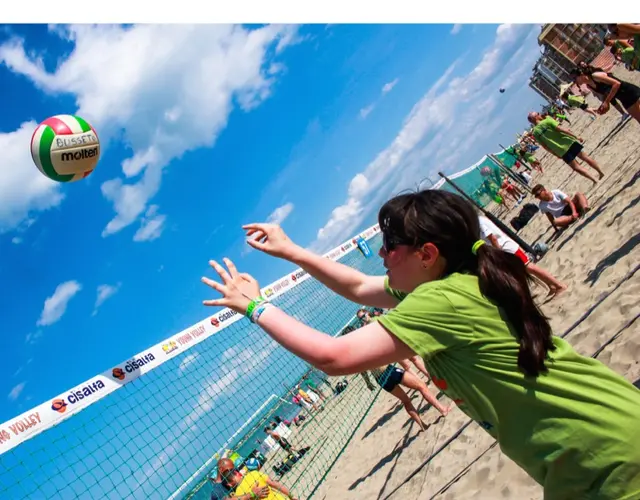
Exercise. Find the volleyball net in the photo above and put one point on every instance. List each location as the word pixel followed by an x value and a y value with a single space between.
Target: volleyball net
pixel 155 425
pixel 483 181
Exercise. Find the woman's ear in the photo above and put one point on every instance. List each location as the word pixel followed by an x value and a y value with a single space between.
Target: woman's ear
pixel 429 254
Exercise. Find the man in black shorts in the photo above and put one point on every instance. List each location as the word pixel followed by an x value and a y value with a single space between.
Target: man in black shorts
pixel 563 143
pixel 560 209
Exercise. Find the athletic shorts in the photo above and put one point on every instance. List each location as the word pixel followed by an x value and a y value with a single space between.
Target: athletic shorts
pixel 574 150
pixel 522 256
pixel 390 378
pixel 567 210
pixel 584 106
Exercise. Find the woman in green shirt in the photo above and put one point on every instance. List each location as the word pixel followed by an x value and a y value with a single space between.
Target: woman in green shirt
pixel 562 143
pixel 466 308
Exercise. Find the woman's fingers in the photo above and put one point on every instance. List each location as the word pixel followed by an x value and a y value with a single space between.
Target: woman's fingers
pixel 258 245
pixel 221 271
pixel 213 284
pixel 232 268
pixel 257 226
pixel 248 278
pixel 215 302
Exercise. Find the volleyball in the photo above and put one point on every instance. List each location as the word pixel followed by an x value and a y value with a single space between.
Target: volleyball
pixel 65 148
pixel 485 171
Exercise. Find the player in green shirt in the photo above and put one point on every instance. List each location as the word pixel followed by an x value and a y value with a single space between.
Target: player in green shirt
pixel 579 102
pixel 563 143
pixel 466 308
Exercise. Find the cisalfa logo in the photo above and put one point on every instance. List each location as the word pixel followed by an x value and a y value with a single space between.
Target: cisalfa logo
pixel 215 322
pixel 118 373
pixel 59 405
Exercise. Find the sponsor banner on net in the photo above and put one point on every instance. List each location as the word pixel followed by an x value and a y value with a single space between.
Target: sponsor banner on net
pixel 51 412
pixel 46 415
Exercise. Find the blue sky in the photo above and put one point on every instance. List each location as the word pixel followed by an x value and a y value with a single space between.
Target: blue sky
pixel 204 129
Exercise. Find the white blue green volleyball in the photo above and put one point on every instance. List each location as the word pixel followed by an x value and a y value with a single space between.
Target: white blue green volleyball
pixel 65 148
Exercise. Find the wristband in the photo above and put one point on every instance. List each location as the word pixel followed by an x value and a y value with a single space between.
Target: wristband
pixel 253 304
pixel 260 308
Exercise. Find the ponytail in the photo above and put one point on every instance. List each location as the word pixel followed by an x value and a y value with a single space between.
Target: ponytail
pixel 451 223
pixel 504 280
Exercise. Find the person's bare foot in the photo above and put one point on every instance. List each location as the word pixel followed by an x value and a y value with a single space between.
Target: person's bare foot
pixel 445 411
pixel 556 291
pixel 601 174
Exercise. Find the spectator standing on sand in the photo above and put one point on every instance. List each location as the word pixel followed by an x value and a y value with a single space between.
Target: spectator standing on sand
pixel 563 143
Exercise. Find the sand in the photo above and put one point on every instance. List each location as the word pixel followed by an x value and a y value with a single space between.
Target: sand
pixel 597 257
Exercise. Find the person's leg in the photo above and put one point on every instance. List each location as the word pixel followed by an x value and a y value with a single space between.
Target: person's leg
pixel 577 168
pixel 592 112
pixel 399 393
pixel 367 380
pixel 634 111
pixel 591 162
pixel 556 287
pixel 405 365
pixel 563 221
pixel 419 364
pixel 412 382
pixel 619 107
pixel 581 203
pixel 502 194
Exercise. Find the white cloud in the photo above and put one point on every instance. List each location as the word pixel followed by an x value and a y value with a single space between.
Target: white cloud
pixel 188 359
pixel 388 87
pixel 16 391
pixel 23 189
pixel 450 119
pixel 16 240
pixel 103 293
pixel 56 305
pixel 148 85
pixel 151 225
pixel 364 112
pixel 456 29
pixel 279 215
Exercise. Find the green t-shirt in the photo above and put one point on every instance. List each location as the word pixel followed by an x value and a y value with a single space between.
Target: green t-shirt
pixel 573 429
pixel 575 101
pixel 631 55
pixel 546 132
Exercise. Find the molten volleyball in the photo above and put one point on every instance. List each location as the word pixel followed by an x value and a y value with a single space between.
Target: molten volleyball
pixel 65 148
pixel 485 171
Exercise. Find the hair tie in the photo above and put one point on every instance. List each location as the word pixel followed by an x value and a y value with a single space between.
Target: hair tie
pixel 476 245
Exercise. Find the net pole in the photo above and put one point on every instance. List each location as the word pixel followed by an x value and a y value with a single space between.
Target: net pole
pixel 521 160
pixel 508 172
pixel 491 217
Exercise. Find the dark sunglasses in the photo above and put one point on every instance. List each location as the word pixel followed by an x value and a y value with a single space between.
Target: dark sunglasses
pixel 390 242
pixel 228 473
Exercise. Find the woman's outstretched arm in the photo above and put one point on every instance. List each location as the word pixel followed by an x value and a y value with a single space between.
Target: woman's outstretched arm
pixel 344 280
pixel 368 347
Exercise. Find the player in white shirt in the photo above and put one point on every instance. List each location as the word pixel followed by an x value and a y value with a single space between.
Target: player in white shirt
pixel 560 209
pixel 494 236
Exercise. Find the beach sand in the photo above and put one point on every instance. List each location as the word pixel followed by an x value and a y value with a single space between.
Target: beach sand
pixel 598 258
